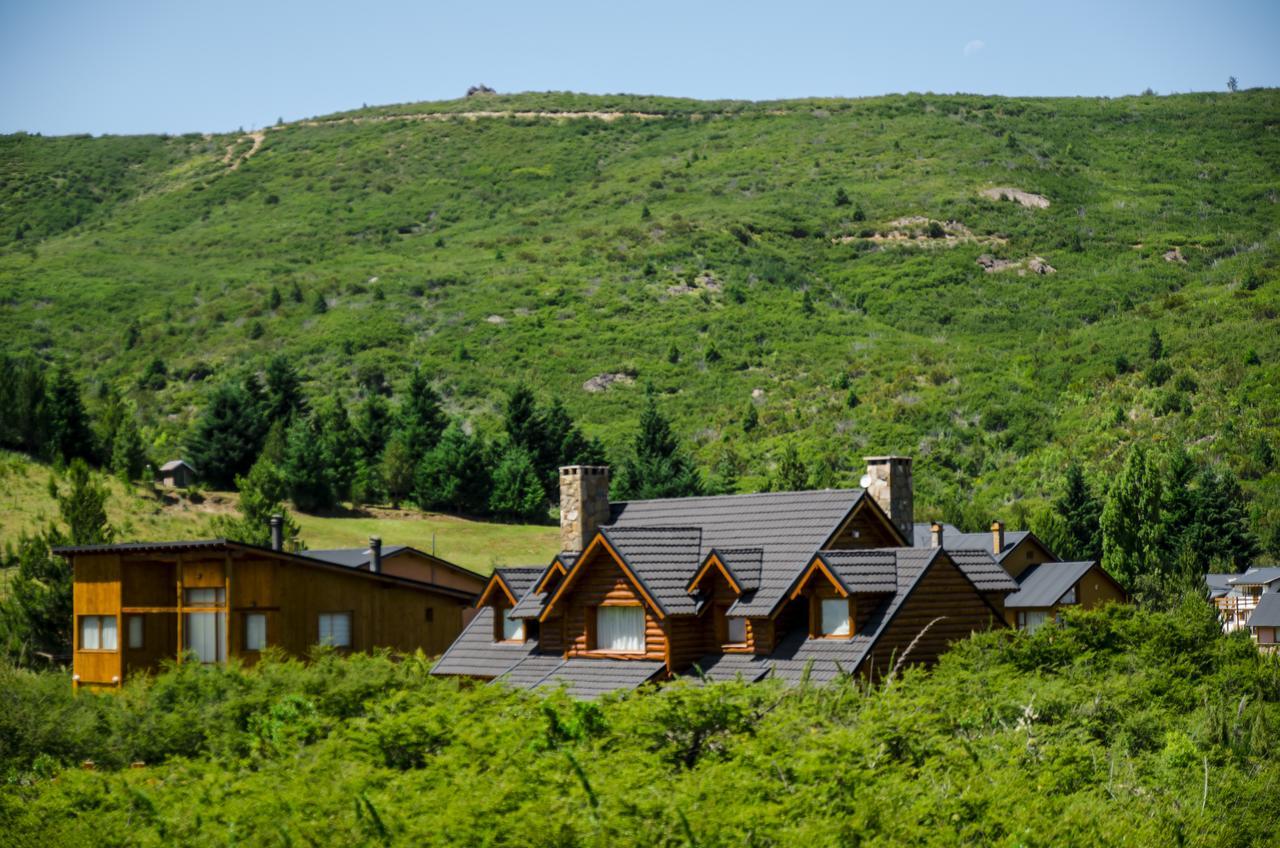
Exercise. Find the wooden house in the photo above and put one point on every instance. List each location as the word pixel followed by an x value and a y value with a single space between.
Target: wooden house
pixel 1236 596
pixel 136 605
pixel 1264 622
pixel 176 474
pixel 791 584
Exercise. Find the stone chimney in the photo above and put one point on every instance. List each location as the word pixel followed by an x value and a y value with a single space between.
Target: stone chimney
pixel 997 537
pixel 888 480
pixel 375 554
pixel 584 504
pixel 277 533
pixel 935 534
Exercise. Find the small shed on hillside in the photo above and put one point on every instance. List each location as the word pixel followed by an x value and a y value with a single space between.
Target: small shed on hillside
pixel 177 474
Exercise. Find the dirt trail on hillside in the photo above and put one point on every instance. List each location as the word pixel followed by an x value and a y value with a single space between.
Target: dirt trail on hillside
pixel 231 160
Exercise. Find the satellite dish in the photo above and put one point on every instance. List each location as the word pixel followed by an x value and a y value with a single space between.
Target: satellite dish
pixel 865 482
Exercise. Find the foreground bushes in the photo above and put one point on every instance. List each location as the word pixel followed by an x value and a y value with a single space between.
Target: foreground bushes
pixel 1123 726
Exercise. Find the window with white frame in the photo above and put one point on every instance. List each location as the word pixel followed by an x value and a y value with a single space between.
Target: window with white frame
pixel 335 629
pixel 255 631
pixel 620 628
pixel 512 628
pixel 736 631
pixel 835 617
pixel 135 632
pixel 98 633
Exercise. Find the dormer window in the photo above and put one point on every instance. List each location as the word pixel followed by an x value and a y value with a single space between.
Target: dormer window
pixel 620 629
pixel 834 619
pixel 509 629
pixel 736 630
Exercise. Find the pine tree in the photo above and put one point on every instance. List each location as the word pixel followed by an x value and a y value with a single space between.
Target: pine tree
pixel 128 454
pixel 1130 523
pixel 1155 346
pixel 319 305
pixel 842 197
pixel 518 490
pixel 1220 530
pixel 1080 512
pixel 295 292
pixel 422 419
pixel 84 508
pixel 229 435
pixel 452 476
pixel 23 408
pixel 283 393
pixel 522 422
pixel 68 433
pixel 398 469
pixel 306 469
pixel 262 493
pixel 274 299
pixel 792 475
pixel 750 418
pixel 657 467
pixel 36 616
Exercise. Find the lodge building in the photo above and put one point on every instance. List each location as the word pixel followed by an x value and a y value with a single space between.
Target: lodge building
pixel 795 585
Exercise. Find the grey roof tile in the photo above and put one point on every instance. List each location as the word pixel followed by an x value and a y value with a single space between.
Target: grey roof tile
pixel 591 678
pixel 1257 576
pixel 530 606
pixel 664 559
pixel 475 654
pixel 787 526
pixel 981 567
pixel 870 570
pixel 745 564
pixel 953 539
pixel 350 557
pixel 1267 612
pixel 1042 585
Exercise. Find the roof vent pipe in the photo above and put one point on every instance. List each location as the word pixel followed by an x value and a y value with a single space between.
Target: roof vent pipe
pixel 997 537
pixel 277 533
pixel 375 554
pixel 935 534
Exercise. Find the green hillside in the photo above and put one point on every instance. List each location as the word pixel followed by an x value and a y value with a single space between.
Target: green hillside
pixel 707 248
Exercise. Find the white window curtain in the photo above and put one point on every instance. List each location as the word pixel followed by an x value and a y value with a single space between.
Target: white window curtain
pixel 620 629
pixel 835 617
pixel 200 597
pixel 89 634
pixel 204 634
pixel 737 630
pixel 335 629
pixel 255 631
pixel 512 628
pixel 109 641
pixel 1033 620
pixel 135 631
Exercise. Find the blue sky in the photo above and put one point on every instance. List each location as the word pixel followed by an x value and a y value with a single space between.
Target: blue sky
pixel 217 65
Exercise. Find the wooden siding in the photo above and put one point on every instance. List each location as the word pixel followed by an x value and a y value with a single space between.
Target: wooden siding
pixel 290 594
pixel 864 529
pixel 1096 589
pixel 942 592
pixel 602 581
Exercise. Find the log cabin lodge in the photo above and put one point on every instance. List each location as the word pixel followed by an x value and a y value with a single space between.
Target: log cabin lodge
pixel 795 585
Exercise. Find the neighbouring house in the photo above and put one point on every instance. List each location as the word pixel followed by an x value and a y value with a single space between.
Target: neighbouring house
pixel 797 585
pixel 1045 585
pixel 176 474
pixel 1236 596
pixel 1264 622
pixel 138 604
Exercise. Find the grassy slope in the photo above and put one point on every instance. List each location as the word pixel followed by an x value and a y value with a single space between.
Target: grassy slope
pixel 25 504
pixel 516 249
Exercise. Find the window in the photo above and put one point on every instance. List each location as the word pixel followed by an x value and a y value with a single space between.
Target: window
pixel 512 628
pixel 204 597
pixel 335 629
pixel 204 634
pixel 98 633
pixel 255 631
pixel 620 629
pixel 1032 620
pixel 135 632
pixel 736 630
pixel 1068 597
pixel 835 617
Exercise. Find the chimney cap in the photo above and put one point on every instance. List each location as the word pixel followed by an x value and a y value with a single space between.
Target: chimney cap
pixel 584 469
pixel 887 458
pixel 277 520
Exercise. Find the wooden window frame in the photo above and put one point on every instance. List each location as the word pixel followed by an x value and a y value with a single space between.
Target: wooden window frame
pixel 593 630
pixel 99 617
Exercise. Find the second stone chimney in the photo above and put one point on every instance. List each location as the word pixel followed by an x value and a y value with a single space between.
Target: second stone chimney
pixel 888 480
pixel 935 534
pixel 584 504
pixel 997 537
